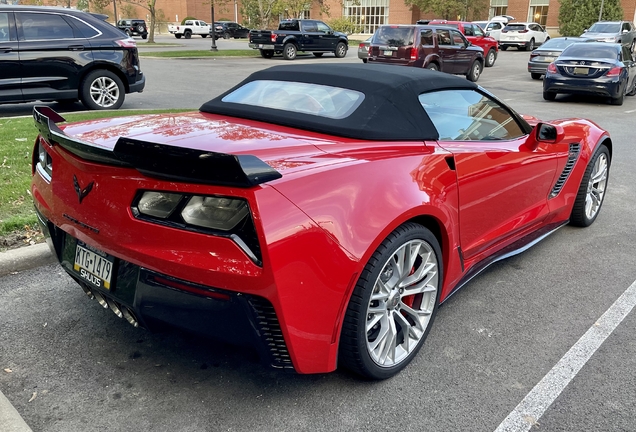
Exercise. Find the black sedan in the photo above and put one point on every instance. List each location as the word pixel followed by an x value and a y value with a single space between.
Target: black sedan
pixel 541 57
pixel 592 68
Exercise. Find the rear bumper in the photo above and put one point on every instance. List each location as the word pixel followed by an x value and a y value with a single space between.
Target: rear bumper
pixel 139 85
pixel 149 299
pixel 559 84
pixel 534 67
pixel 514 43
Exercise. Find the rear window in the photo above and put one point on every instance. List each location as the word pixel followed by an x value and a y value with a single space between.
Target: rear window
pixel 515 27
pixel 560 43
pixel 583 50
pixel 605 28
pixel 314 99
pixel 289 26
pixel 394 36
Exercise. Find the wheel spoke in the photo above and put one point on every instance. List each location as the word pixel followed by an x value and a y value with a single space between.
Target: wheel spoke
pixel 389 344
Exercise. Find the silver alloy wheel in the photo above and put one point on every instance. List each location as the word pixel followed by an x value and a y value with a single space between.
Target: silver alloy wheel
pixel 402 303
pixel 290 51
pixel 104 92
pixel 596 187
pixel 342 50
pixel 476 71
pixel 491 58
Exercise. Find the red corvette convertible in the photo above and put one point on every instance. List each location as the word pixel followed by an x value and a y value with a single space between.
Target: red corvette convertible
pixel 320 213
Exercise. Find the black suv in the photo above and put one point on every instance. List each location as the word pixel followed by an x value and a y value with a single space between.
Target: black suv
pixel 229 29
pixel 57 54
pixel 133 27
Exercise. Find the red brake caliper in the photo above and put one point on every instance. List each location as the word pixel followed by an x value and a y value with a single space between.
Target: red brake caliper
pixel 408 300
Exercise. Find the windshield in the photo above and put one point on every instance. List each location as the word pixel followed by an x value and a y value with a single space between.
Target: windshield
pixel 583 50
pixel 605 28
pixel 394 36
pixel 560 43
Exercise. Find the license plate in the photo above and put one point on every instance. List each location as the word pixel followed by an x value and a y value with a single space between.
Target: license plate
pixel 580 71
pixel 267 47
pixel 93 265
pixel 548 59
pixel 388 53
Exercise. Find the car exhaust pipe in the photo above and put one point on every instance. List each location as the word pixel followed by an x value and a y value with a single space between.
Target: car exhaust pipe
pixel 130 317
pixel 101 300
pixel 88 292
pixel 113 306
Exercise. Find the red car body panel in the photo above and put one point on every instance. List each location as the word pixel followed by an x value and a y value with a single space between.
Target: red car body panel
pixel 485 42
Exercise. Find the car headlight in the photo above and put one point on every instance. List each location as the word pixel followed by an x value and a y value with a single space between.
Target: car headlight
pixel 215 212
pixel 158 204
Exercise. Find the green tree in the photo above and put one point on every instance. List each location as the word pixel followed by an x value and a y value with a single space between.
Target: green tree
pixel 261 13
pixel 452 9
pixel 151 7
pixel 100 6
pixel 578 15
pixel 345 25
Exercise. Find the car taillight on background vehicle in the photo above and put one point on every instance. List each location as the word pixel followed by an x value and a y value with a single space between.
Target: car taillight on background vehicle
pixel 523 31
pixel 413 54
pixel 552 68
pixel 273 37
pixel 126 43
pixel 614 72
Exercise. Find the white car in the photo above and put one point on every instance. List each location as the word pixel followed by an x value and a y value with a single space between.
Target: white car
pixel 524 36
pixel 492 27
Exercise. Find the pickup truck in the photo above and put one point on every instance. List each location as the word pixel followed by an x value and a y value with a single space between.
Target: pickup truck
pixel 189 28
pixel 295 35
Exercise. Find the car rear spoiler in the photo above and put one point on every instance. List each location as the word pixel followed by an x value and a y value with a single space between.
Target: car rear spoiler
pixel 161 161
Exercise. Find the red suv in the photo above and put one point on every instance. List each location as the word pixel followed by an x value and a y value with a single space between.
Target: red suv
pixel 432 47
pixel 475 36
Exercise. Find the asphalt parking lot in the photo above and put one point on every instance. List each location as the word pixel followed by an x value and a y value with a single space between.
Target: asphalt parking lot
pixel 77 367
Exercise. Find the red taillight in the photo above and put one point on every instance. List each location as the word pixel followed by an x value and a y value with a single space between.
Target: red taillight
pixel 523 31
pixel 361 46
pixel 504 31
pixel 614 72
pixel 126 43
pixel 552 68
pixel 413 54
pixel 273 37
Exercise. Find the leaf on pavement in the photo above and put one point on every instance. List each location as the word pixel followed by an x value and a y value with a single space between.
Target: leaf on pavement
pixel 7 370
pixel 35 394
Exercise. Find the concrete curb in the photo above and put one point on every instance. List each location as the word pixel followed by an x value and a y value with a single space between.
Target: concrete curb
pixel 16 260
pixel 25 258
pixel 9 417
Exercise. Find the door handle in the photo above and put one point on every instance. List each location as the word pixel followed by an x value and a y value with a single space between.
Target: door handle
pixel 76 47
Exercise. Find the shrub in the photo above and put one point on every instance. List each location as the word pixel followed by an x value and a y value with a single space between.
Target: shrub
pixel 186 19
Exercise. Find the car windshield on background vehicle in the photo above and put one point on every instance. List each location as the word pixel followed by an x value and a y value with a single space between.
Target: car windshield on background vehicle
pixel 394 36
pixel 584 51
pixel 601 27
pixel 561 43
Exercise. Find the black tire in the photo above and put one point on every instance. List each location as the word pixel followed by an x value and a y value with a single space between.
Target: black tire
pixel 290 51
pixel 144 36
pixel 432 66
pixel 318 54
pixel 178 36
pixel 582 216
pixel 475 71
pixel 267 53
pixel 617 100
pixel 530 45
pixel 503 48
pixel 226 36
pixel 128 33
pixel 535 76
pixel 140 28
pixel 204 35
pixel 491 57
pixel 356 351
pixel 632 92
pixel 364 60
pixel 341 50
pixel 102 89
pixel 549 96
pixel 187 34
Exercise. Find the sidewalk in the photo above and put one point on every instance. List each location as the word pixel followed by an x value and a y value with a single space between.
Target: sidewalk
pixel 13 261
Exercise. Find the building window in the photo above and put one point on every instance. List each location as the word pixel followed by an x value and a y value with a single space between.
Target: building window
pixel 538 14
pixel 369 14
pixel 498 7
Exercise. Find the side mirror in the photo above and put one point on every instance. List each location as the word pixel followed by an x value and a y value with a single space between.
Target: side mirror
pixel 487 34
pixel 545 132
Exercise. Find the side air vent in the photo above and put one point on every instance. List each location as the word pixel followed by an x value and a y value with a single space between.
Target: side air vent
pixel 575 149
pixel 269 329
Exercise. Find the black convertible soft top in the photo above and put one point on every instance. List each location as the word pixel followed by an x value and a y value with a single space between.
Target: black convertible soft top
pixel 390 111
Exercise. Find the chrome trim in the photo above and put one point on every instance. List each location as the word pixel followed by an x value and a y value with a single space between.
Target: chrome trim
pixel 240 243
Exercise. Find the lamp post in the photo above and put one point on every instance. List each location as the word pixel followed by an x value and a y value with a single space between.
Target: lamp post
pixel 212 30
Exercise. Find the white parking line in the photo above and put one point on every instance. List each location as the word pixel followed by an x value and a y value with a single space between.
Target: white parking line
pixel 535 404
pixel 630 111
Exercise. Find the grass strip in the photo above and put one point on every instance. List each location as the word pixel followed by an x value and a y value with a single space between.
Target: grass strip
pixel 201 53
pixel 17 138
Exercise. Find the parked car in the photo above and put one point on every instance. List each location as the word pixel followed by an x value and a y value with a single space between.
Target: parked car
pixel 492 28
pixel 229 29
pixel 621 32
pixel 189 28
pixel 431 47
pixel 387 179
pixel 56 54
pixel 523 36
pixel 133 27
pixel 541 57
pixel 592 68
pixel 363 49
pixel 476 36
pixel 295 35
